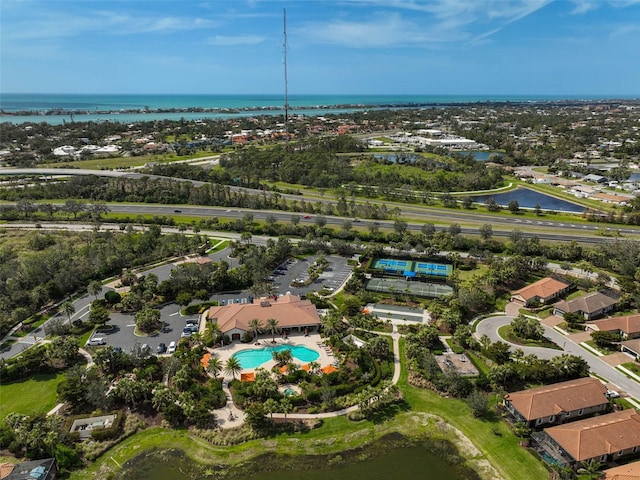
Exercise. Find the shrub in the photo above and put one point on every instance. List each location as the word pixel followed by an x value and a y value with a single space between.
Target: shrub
pixel 112 297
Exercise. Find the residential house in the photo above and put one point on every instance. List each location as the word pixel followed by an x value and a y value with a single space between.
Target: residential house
pixel 630 471
pixel 627 326
pixel 542 291
pixel 557 403
pixel 603 439
pixel 632 347
pixel 590 305
pixel 84 426
pixel 45 469
pixel 289 310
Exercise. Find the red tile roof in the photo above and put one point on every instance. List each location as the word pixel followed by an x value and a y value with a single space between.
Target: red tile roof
pixel 289 310
pixel 544 288
pixel 631 471
pixel 597 436
pixel 559 397
pixel 629 324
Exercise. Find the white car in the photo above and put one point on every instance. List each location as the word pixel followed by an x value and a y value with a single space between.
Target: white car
pixel 172 348
pixel 612 394
pixel 93 342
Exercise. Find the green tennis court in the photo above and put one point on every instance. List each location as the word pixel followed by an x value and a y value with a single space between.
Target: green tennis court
pixel 392 265
pixel 433 269
pixel 398 285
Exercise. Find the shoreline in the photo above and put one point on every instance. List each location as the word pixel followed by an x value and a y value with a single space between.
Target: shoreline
pixel 412 428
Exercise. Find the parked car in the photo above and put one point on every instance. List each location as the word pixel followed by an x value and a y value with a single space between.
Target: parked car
pixel 95 342
pixel 161 348
pixel 612 394
pixel 172 348
pixel 307 217
pixel 190 328
pixel 186 332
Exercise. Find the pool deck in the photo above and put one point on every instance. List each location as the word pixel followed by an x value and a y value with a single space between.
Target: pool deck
pixel 312 341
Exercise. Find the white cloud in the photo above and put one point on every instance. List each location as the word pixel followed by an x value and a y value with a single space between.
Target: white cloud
pixel 408 22
pixel 584 6
pixel 224 40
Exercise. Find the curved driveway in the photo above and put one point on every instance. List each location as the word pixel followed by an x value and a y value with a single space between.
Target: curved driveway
pixel 598 366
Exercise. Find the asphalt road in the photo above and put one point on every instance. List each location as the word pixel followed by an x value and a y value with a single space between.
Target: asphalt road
pixel 555 230
pixel 490 327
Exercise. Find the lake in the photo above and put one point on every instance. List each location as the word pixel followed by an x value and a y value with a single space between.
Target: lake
pixel 416 462
pixel 481 155
pixel 529 199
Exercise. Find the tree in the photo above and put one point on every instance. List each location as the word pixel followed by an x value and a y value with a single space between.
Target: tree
pixel 64 349
pixel 400 226
pixel 94 288
pixel 255 327
pixel 606 339
pixel 273 327
pixel 232 367
pixel 148 320
pixel 286 407
pixel 73 207
pixel 527 328
pixel 68 309
pixel 513 206
pixel 320 221
pixel 98 315
pixel 486 232
pixel 215 366
pixel 499 352
pixel 271 406
pixel 479 403
pixel 591 469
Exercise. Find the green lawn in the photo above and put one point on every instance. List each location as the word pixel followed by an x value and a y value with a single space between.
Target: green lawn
pixel 506 333
pixel 37 394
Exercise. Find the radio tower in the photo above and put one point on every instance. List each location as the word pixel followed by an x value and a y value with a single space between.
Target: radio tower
pixel 286 83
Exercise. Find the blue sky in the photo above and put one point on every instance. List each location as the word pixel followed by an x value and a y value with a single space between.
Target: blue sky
pixel 503 47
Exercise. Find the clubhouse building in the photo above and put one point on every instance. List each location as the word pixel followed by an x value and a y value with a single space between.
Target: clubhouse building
pixel 292 313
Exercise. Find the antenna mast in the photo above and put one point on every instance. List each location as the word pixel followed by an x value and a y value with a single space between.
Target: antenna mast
pixel 286 83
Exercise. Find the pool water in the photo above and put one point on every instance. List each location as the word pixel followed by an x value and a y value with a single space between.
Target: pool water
pixel 289 392
pixel 254 357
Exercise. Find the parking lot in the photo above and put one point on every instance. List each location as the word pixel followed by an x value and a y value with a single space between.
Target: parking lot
pixel 332 277
pixel 121 335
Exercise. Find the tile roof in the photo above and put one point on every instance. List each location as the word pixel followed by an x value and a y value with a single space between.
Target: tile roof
pixel 628 324
pixel 6 469
pixel 630 471
pixel 602 435
pixel 590 302
pixel 543 288
pixel 289 310
pixel 559 397
pixel 633 345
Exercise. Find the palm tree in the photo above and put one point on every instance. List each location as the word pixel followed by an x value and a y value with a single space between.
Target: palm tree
pixel 68 309
pixel 271 406
pixel 255 327
pixel 215 366
pixel 94 288
pixel 286 407
pixel 232 366
pixel 331 324
pixel 273 327
pixel 592 469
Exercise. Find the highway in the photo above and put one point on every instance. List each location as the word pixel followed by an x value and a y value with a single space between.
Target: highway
pixel 416 213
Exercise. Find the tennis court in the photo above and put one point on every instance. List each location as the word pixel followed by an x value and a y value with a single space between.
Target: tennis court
pixel 433 269
pixel 393 266
pixel 397 285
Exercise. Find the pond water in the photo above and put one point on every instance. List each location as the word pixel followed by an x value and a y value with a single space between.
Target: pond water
pixel 529 199
pixel 480 155
pixel 399 463
pixel 397 157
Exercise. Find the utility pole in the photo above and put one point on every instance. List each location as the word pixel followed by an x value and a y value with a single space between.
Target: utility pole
pixel 286 83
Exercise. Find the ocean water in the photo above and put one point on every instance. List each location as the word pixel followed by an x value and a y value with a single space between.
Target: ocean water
pixel 131 107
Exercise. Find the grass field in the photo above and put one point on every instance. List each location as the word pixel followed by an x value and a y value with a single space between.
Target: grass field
pixel 36 394
pixel 123 162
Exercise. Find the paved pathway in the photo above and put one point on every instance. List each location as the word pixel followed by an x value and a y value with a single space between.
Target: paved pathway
pixel 598 366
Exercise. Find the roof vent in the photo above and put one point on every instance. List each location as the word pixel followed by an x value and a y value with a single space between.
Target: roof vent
pixel 265 303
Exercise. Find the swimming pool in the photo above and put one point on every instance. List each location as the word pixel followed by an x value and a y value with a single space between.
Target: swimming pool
pixel 254 357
